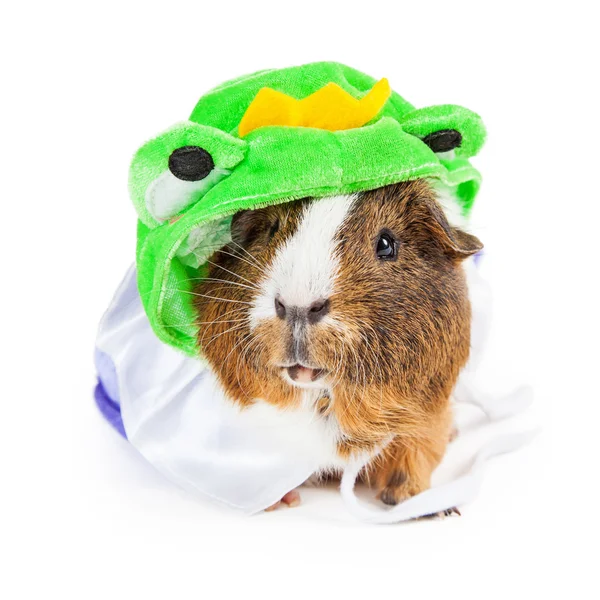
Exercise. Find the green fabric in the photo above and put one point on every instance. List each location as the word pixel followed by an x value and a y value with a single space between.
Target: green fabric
pixel 277 164
pixel 152 159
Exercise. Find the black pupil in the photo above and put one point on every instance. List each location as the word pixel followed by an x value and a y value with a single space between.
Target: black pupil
pixel 443 140
pixel 385 246
pixel 190 163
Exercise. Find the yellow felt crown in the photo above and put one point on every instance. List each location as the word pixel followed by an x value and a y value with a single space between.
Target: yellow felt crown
pixel 330 108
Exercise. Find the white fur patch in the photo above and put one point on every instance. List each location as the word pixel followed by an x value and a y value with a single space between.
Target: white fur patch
pixel 301 428
pixel 305 267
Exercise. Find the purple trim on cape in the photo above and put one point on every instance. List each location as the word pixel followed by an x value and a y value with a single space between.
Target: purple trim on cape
pixel 110 410
pixel 106 393
pixel 107 375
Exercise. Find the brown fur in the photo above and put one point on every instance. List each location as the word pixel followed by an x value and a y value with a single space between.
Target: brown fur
pixel 404 334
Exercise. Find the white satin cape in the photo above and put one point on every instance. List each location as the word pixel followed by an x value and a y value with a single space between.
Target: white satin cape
pixel 176 416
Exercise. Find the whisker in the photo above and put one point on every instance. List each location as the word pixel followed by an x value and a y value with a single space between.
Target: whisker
pixel 252 264
pixel 212 339
pixel 375 355
pixel 254 259
pixel 241 357
pixel 230 272
pixel 242 340
pixel 214 297
pixel 356 385
pixel 221 321
pixel 206 322
pixel 255 287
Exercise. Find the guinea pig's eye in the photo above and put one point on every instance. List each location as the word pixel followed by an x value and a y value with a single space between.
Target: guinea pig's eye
pixel 191 163
pixel 274 229
pixel 387 247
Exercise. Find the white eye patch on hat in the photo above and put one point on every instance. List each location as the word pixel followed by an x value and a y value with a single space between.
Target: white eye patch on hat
pixel 168 195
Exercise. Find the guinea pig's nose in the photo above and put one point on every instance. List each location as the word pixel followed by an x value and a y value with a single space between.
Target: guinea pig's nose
pixel 280 307
pixel 313 314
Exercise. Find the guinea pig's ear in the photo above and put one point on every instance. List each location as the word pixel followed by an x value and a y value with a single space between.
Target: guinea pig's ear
pixel 240 227
pixel 457 243
pixel 247 225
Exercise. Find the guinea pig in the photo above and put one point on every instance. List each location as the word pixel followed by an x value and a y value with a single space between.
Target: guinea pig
pixel 354 308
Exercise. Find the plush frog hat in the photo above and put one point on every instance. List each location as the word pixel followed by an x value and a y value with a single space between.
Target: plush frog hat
pixel 274 136
pixel 316 130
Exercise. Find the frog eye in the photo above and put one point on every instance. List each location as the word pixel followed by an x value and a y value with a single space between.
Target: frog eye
pixel 446 128
pixel 443 140
pixel 191 163
pixel 177 168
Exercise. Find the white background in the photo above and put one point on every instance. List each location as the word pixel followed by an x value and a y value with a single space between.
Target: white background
pixel 84 84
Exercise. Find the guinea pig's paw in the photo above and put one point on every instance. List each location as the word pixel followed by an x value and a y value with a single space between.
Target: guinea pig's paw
pixel 398 488
pixel 290 499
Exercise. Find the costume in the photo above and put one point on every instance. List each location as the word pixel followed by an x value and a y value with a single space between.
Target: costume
pixel 271 137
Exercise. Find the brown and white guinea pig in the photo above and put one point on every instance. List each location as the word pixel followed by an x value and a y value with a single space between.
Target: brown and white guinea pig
pixel 354 308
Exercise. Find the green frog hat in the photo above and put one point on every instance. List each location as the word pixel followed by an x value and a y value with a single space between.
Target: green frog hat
pixel 316 130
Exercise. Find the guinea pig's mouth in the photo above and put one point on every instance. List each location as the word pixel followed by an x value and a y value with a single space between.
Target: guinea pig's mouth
pixel 302 375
